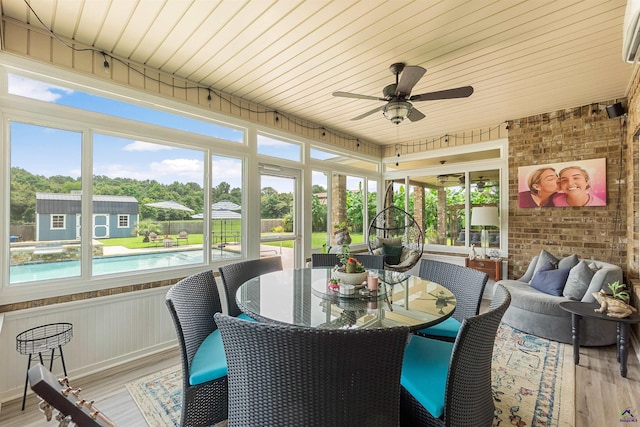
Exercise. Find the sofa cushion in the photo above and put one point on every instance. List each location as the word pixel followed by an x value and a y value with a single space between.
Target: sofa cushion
pixel 578 281
pixel 525 297
pixel 391 254
pixel 568 261
pixel 543 259
pixel 550 281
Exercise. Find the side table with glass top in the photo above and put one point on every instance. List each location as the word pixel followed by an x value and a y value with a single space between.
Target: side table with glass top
pixel 581 309
pixel 41 339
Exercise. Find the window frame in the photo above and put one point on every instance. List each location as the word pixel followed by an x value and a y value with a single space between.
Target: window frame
pixel 15 107
pixel 127 218
pixel 52 222
pixel 499 163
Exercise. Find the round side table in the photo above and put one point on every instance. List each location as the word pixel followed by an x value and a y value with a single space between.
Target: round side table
pixel 40 339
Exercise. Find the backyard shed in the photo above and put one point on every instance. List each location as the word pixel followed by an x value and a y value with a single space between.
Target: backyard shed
pixel 58 216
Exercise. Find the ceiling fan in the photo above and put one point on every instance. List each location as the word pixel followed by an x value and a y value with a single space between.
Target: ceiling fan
pixel 449 178
pixel 398 95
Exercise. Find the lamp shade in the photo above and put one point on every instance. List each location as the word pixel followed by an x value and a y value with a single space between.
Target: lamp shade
pixel 485 215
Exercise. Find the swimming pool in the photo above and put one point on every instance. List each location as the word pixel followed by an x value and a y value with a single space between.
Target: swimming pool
pixel 110 265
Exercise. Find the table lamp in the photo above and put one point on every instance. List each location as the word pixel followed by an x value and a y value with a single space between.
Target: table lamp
pixel 484 216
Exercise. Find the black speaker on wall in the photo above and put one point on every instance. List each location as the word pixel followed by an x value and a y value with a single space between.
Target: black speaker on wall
pixel 615 110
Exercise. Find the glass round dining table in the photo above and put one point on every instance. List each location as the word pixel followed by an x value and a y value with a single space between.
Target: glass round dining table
pixel 302 297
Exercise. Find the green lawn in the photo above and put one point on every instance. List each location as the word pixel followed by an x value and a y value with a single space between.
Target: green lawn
pixel 135 242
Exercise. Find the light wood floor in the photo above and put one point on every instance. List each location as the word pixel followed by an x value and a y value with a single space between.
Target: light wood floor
pixel 601 393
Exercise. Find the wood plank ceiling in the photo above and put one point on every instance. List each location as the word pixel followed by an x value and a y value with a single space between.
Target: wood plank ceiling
pixel 521 57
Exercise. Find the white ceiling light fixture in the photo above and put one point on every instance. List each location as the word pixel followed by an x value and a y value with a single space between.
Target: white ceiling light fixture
pixel 397 111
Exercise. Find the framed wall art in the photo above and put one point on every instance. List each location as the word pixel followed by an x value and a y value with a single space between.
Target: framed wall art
pixel 579 183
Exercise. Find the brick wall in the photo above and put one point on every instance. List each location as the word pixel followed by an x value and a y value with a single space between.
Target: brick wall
pixel 574 134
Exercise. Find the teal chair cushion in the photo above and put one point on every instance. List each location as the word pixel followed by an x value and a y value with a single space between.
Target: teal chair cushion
pixel 448 328
pixel 209 362
pixel 424 372
pixel 243 316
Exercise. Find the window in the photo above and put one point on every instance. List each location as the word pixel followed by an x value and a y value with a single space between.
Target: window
pixel 57 222
pixel 272 147
pixel 159 186
pixel 226 208
pixel 319 210
pixel 42 91
pixel 439 202
pixel 123 221
pixel 45 199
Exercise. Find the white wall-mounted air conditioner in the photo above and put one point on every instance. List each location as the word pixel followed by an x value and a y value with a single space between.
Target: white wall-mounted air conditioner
pixel 631 34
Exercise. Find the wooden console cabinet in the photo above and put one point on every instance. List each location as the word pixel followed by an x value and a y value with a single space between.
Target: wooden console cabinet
pixel 493 267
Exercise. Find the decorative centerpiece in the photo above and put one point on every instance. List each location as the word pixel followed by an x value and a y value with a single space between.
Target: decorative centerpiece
pixel 616 304
pixel 351 271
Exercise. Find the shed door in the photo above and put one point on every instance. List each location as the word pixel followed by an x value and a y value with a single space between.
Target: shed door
pixel 100 226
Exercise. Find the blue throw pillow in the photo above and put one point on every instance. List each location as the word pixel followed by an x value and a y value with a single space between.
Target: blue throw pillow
pixel 550 281
pixel 391 254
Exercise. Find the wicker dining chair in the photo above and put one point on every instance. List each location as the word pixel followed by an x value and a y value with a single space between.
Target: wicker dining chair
pixel 192 302
pixel 374 262
pixel 312 376
pixel 449 384
pixel 467 286
pixel 235 274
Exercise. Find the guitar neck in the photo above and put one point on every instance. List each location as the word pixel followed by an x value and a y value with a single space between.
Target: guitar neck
pixel 66 400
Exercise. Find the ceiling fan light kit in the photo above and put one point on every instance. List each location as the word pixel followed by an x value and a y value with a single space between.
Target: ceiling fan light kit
pixel 397 111
pixel 399 106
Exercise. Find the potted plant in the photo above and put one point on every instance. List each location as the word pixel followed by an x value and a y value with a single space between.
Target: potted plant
pixel 350 271
pixel 616 303
pixel 341 233
pixel 144 228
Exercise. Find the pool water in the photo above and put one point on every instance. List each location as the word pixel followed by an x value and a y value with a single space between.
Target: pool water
pixel 110 265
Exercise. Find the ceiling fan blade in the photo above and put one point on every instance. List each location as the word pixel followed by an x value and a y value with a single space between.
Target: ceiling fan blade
pixel 408 79
pixel 368 113
pixel 415 115
pixel 357 96
pixel 459 92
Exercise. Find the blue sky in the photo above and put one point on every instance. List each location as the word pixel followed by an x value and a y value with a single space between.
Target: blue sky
pixel 47 151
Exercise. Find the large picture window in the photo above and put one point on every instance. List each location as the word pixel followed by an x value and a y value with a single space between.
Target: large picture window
pixel 45 198
pixel 159 186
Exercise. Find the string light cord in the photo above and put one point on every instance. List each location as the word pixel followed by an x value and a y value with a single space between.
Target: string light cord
pixel 277 114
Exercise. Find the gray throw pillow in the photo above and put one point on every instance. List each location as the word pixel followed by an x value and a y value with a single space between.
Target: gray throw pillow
pixel 568 261
pixel 578 281
pixel 544 258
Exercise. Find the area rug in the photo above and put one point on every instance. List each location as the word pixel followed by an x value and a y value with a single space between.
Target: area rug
pixel 533 385
pixel 533 380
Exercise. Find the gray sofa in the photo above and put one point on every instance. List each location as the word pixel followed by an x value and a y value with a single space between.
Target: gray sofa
pixel 539 313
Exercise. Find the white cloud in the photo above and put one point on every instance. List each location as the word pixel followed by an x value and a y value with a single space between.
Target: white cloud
pixel 227 170
pixel 191 169
pixel 165 171
pixel 145 146
pixel 42 91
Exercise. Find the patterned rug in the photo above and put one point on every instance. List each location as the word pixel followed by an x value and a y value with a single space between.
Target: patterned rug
pixel 533 385
pixel 533 380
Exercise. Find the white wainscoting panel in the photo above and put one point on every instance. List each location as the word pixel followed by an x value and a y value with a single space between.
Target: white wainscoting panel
pixel 107 331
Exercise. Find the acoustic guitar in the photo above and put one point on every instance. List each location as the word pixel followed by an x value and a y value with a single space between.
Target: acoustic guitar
pixel 58 393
